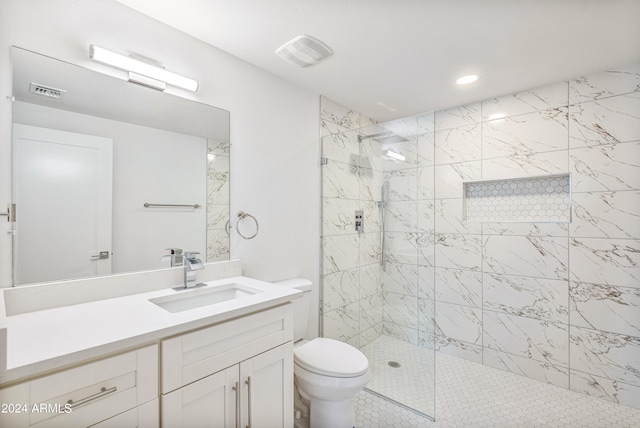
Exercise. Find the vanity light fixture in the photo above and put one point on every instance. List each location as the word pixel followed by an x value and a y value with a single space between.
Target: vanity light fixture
pixel 304 51
pixel 465 80
pixel 142 72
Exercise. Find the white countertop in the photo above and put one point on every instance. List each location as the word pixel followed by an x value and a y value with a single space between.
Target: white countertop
pixel 49 339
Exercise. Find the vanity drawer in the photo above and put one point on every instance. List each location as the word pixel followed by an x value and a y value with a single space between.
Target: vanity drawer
pixel 93 392
pixel 193 356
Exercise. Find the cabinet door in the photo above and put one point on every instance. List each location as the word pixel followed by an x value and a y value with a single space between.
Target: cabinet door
pixel 144 416
pixel 209 402
pixel 267 389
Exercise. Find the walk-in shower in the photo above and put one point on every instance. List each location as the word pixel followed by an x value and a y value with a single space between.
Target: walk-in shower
pixel 377 284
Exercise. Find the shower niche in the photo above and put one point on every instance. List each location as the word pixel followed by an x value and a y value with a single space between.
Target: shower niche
pixel 535 199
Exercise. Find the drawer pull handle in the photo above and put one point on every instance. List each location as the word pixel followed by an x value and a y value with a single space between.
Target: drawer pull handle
pixel 248 382
pixel 103 392
pixel 237 390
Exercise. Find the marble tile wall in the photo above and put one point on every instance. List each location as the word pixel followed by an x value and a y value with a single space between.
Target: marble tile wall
pixel 556 302
pixel 217 201
pixel 352 297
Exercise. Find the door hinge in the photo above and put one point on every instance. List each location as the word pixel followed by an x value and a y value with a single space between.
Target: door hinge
pixel 11 212
pixel 324 161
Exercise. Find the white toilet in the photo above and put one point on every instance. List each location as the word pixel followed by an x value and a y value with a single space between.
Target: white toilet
pixel 328 373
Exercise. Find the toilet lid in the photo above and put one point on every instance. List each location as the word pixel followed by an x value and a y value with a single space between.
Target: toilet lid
pixel 330 357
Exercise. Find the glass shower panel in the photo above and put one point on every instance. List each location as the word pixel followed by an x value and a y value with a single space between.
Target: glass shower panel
pixel 378 276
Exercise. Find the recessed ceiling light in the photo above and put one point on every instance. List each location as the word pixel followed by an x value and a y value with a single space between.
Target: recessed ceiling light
pixel 465 80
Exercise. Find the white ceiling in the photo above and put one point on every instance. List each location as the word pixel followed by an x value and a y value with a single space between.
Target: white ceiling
pixel 396 58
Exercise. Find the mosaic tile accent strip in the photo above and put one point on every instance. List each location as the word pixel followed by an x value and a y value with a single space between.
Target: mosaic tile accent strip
pixel 527 199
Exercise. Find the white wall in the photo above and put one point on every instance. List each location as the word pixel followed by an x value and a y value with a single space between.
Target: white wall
pixel 274 124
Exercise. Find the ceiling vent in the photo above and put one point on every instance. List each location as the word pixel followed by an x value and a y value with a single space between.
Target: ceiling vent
pixel 304 51
pixel 46 91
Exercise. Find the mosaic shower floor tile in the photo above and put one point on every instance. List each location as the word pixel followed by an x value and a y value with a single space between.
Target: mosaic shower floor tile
pixel 470 395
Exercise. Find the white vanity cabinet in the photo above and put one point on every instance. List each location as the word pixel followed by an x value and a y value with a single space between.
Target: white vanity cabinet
pixel 237 373
pixel 121 391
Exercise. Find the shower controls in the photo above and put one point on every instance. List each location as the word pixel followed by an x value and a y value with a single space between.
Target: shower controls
pixel 359 221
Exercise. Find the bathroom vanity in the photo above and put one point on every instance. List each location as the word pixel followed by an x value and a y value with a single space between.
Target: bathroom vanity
pixel 221 352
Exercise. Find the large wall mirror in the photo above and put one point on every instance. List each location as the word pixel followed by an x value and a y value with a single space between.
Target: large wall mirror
pixel 108 174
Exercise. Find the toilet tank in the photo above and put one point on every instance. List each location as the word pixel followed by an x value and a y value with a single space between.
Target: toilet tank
pixel 301 306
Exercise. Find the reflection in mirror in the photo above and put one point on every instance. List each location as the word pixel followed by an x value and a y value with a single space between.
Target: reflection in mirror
pixel 89 151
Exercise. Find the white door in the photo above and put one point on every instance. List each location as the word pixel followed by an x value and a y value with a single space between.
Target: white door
pixel 62 191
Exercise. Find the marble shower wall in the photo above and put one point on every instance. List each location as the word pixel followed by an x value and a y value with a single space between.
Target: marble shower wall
pixel 555 302
pixel 351 180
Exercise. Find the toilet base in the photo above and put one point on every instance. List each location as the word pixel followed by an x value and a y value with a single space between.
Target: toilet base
pixel 331 414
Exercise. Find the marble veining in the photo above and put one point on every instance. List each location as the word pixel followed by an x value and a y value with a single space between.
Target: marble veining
pixel 342 323
pixel 544 98
pixel 426 220
pixel 401 247
pixel 341 289
pixel 340 147
pixel 526 229
pixel 370 250
pixel 402 184
pixel 340 253
pixel 605 121
pixel 371 311
pixel 458 116
pixel 451 346
pixel 606 168
pixel 525 165
pixel 605 261
pixel 401 309
pixel 426 315
pixel 609 355
pixel 460 144
pixel 449 177
pixel 333 112
pixel 370 280
pixel 425 147
pixel 538 298
pixel 401 279
pixel 540 257
pixel 526 134
pixel 338 216
pixel 605 308
pixel 426 123
pixel 616 81
pixel 339 180
pixel 461 287
pixel 543 341
pixel 458 251
pixel 612 390
pixel 459 322
pixel 606 215
pixel 401 216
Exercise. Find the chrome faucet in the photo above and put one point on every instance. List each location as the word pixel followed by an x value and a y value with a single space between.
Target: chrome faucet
pixel 175 255
pixel 191 264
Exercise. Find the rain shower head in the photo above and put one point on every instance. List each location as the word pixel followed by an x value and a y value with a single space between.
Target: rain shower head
pixel 387 137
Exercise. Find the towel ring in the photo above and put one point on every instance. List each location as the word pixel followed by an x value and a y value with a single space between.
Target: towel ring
pixel 241 216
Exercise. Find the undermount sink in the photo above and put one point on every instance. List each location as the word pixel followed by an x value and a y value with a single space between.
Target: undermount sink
pixel 185 300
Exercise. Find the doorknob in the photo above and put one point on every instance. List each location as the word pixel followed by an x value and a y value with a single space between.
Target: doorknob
pixel 101 256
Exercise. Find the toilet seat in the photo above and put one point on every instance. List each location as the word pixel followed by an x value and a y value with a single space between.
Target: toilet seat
pixel 329 357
